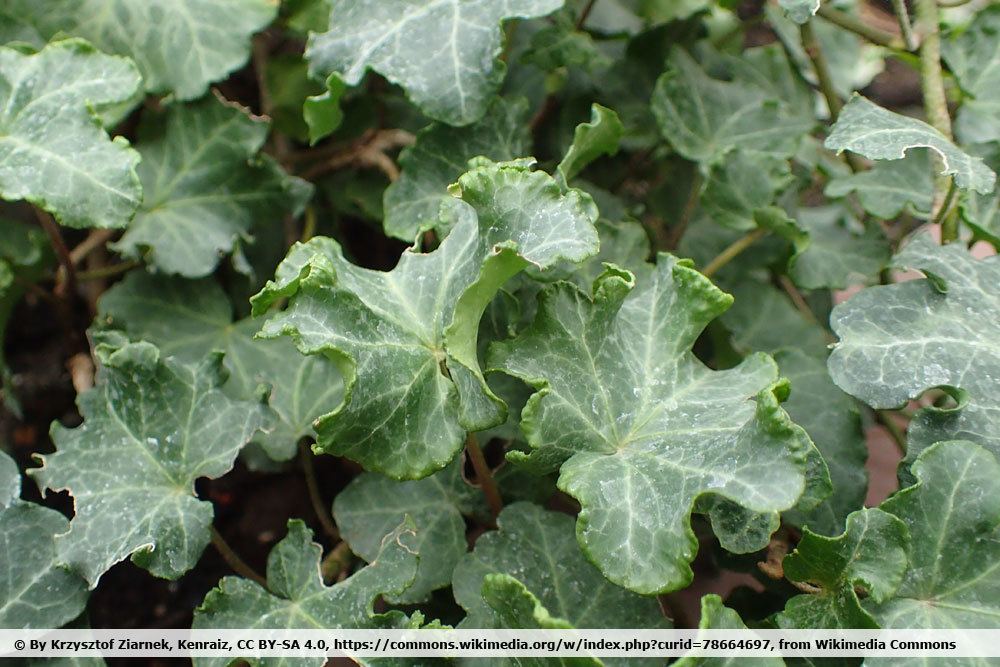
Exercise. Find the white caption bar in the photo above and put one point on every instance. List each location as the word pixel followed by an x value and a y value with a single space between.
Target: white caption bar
pixel 252 643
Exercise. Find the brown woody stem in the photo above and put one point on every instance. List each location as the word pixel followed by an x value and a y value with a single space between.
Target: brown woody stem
pixel 484 476
pixel 233 560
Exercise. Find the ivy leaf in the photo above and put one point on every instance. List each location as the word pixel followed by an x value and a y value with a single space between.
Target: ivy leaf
pixel 852 61
pixel 871 554
pixel 640 427
pixel 53 151
pixel 516 607
pixel 865 128
pixel 741 185
pixel 442 52
pixel 800 11
pixel 297 598
pixel 704 118
pixel 831 419
pixel 440 155
pixel 591 140
pixel 151 427
pixel 717 616
pixel 406 340
pixel 840 251
pixel 372 506
pixel 205 187
pixel 538 548
pixel 973 56
pixel 35 591
pixel 180 46
pixel 187 318
pixel 889 188
pixel 953 516
pixel 322 112
pixel 897 341
pixel 763 319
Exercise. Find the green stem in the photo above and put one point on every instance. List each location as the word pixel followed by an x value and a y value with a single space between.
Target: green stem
pixel 859 27
pixel 825 81
pixel 233 560
pixel 903 17
pixel 931 77
pixel 106 271
pixel 315 497
pixel 309 226
pixel 727 255
pixel 484 476
pixel 935 101
pixel 947 215
pixel 896 433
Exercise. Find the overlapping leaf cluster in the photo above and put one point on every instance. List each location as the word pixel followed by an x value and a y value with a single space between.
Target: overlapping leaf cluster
pixel 533 154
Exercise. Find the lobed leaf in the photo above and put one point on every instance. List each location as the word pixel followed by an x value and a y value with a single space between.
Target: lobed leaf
pixel 53 151
pixel 205 187
pixel 179 46
pixel 973 56
pixel 953 516
pixel 897 341
pixel 640 427
pixel 871 554
pixel 440 155
pixel 704 118
pixel 442 52
pixel 538 548
pixel 406 340
pixel 865 128
pixel 186 319
pixel 296 596
pixel 152 426
pixel 35 590
pixel 372 506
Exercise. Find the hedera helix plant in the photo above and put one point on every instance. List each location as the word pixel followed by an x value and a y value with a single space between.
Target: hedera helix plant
pixel 608 361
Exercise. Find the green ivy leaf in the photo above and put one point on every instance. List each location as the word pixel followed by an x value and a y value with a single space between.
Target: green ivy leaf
pixel 186 319
pixel 205 187
pixel 982 212
pixel 840 251
pixel 406 339
pixel 442 52
pixel 889 188
pixel 591 140
pixel 297 598
pixel 897 341
pixel 871 554
pixel 704 118
pixel 741 185
pixel 640 427
pixel 440 155
pixel 322 112
pixel 852 61
pixel 372 506
pixel 973 56
pixel 800 11
pixel 831 419
pixel 180 46
pixel 35 591
pixel 514 606
pixel 538 548
pixel 865 128
pixel 53 151
pixel 717 616
pixel 151 428
pixel 953 515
